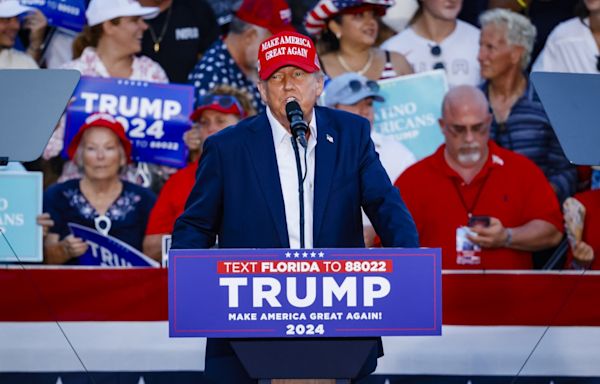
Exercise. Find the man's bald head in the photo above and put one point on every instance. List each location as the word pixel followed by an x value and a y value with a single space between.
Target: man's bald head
pixel 464 99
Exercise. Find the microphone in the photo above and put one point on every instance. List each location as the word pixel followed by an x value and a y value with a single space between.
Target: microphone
pixel 298 126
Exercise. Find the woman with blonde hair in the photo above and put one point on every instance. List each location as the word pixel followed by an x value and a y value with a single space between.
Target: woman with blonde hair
pixel 107 47
pixel 99 199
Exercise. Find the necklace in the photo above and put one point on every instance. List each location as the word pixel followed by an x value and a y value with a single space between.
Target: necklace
pixel 158 40
pixel 361 71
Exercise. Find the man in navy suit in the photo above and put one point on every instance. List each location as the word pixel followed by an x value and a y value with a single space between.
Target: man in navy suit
pixel 246 191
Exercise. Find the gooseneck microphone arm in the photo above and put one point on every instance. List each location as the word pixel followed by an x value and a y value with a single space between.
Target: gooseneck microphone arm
pixel 300 188
pixel 298 127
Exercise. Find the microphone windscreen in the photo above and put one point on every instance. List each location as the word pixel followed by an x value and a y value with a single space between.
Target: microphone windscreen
pixel 292 108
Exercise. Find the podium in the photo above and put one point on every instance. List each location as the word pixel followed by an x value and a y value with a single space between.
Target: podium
pixel 302 314
pixel 338 359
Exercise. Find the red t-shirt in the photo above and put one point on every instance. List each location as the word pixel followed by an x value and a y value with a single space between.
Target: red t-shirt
pixel 591 223
pixel 171 200
pixel 513 189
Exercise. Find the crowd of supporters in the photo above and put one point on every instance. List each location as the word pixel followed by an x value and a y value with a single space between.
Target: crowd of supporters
pixel 500 162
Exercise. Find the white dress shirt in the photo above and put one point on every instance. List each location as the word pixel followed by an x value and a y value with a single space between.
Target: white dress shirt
pixel 288 175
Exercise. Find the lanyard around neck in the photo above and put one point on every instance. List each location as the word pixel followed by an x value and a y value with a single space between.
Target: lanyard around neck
pixel 470 209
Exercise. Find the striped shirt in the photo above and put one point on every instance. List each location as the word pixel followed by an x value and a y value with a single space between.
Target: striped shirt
pixel 528 131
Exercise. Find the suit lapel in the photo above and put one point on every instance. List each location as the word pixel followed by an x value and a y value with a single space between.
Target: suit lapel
pixel 326 153
pixel 261 151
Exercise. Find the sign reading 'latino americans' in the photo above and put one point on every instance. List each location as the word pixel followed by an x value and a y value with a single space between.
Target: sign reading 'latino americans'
pixel 304 293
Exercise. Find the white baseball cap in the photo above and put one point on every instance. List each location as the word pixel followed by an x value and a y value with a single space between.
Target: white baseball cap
pixel 101 10
pixel 12 8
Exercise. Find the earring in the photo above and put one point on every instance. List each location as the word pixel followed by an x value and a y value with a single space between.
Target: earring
pixel 338 35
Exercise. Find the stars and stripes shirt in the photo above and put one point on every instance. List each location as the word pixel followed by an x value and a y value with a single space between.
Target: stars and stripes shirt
pixel 218 67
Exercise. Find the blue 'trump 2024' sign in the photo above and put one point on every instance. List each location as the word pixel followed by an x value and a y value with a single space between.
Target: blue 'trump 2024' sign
pixel 154 115
pixel 305 293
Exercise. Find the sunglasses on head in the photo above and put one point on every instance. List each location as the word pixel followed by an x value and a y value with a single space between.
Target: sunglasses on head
pixel 224 101
pixel 436 51
pixel 356 85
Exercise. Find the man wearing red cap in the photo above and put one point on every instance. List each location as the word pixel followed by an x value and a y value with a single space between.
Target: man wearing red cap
pixel 246 190
pixel 232 60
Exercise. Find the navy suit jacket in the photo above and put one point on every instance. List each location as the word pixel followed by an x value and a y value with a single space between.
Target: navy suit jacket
pixel 238 195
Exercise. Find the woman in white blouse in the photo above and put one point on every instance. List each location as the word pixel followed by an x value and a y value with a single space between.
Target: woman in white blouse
pixel 573 46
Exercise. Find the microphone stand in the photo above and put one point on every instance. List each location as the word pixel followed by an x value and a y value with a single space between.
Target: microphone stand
pixel 300 187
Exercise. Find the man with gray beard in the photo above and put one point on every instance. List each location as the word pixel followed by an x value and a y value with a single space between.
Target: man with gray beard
pixel 485 206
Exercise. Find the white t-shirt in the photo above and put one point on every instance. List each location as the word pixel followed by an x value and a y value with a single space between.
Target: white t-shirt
pixel 12 59
pixel 458 53
pixel 569 48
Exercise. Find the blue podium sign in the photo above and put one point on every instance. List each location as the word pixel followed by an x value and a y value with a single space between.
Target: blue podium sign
pixel 69 14
pixel 20 203
pixel 304 293
pixel 155 115
pixel 410 112
pixel 107 251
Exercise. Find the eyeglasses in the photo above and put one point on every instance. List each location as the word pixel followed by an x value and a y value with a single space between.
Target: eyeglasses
pixel 224 101
pixel 356 86
pixel 598 63
pixel 461 130
pixel 436 51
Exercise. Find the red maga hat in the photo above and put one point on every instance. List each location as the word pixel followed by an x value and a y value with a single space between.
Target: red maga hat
pixel 287 48
pixel 274 15
pixel 101 120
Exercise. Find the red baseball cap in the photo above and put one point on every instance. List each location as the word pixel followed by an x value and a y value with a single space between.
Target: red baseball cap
pixel 274 15
pixel 101 120
pixel 220 103
pixel 287 48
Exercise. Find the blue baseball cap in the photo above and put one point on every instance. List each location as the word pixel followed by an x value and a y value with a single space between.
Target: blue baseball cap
pixel 350 88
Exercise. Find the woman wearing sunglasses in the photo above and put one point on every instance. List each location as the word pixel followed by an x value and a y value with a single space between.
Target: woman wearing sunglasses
pixel 347 32
pixel 436 39
pixel 224 107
